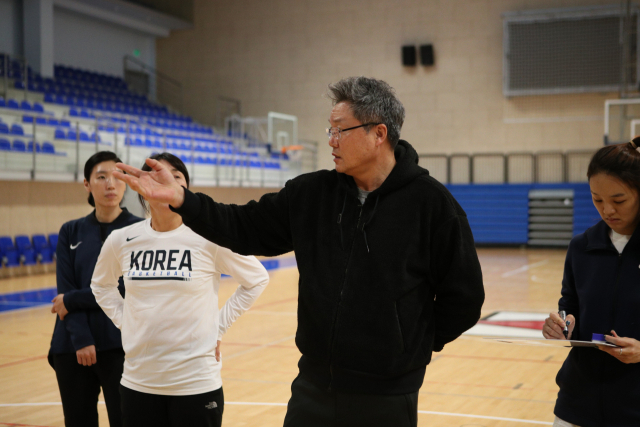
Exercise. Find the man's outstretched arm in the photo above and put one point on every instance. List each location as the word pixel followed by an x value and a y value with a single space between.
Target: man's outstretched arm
pixel 257 228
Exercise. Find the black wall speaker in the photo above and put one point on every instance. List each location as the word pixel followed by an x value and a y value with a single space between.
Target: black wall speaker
pixel 426 54
pixel 409 56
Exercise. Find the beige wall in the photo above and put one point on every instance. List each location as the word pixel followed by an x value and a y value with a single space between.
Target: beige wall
pixel 279 55
pixel 42 207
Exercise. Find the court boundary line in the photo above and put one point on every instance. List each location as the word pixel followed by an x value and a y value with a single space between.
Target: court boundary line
pixel 279 404
pixel 524 268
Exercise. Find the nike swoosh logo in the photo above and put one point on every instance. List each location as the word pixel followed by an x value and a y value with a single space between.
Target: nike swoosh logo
pixel 130 239
pixel 75 246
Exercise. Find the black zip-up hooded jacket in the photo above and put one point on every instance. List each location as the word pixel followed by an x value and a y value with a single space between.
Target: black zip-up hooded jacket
pixel 79 244
pixel 381 285
pixel 601 288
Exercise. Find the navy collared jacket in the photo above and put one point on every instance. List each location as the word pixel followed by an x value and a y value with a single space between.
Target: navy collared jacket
pixel 601 288
pixel 79 244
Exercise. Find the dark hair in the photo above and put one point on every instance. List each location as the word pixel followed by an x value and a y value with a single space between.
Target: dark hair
pixel 621 161
pixel 99 157
pixel 173 161
pixel 371 101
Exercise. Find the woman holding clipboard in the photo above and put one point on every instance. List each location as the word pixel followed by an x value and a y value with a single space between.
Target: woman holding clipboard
pixel 601 294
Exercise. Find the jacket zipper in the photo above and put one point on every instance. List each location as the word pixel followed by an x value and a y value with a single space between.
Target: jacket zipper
pixel 615 291
pixel 335 319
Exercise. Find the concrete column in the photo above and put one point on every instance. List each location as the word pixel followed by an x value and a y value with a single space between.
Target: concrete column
pixel 38 35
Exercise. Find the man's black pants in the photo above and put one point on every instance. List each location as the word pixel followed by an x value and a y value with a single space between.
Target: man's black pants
pixel 311 406
pixel 80 386
pixel 154 410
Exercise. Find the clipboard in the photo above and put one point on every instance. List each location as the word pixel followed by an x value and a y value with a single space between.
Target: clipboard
pixel 543 342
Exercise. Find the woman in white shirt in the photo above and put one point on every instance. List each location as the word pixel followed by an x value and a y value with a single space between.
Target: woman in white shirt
pixel 170 322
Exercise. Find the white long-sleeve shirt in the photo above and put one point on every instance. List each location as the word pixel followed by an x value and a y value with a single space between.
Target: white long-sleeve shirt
pixel 169 317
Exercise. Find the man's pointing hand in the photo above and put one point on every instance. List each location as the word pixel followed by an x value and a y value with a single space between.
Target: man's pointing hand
pixel 158 185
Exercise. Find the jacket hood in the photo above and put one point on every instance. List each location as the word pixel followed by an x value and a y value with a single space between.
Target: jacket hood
pixel 405 171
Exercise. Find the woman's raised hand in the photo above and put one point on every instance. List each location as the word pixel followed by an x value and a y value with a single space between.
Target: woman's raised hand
pixel 158 185
pixel 554 325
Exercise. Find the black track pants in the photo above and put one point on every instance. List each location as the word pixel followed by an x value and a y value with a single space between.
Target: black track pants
pixel 154 410
pixel 310 406
pixel 80 386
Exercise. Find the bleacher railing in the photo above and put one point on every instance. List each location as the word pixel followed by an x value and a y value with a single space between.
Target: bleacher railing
pixel 6 66
pixel 509 168
pixel 49 152
pixel 150 82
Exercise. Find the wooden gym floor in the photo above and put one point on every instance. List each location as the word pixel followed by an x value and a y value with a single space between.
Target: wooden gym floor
pixel 472 382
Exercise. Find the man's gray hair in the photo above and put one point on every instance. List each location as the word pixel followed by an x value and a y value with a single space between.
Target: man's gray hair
pixel 371 101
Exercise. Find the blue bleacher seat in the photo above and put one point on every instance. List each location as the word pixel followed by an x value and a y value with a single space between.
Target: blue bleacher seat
pixel 71 135
pixel 12 103
pixel 59 134
pixel 38 107
pixel 25 250
pixel 73 112
pixel 4 128
pixel 41 121
pixel 16 129
pixel 49 97
pixel 25 105
pixel 8 252
pixel 2 103
pixel 5 145
pixel 42 249
pixel 48 148
pixel 27 119
pixel 65 123
pixel 84 136
pixel 30 147
pixel 19 146
pixel 53 241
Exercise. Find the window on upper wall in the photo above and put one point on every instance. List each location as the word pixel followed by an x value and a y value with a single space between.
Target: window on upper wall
pixel 570 50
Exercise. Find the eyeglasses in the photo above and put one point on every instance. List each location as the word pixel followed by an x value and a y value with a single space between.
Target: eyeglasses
pixel 336 132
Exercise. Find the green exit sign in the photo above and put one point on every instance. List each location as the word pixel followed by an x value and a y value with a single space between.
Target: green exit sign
pixel 136 53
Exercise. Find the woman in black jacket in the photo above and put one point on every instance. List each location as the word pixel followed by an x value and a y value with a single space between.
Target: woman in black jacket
pixel 86 348
pixel 601 295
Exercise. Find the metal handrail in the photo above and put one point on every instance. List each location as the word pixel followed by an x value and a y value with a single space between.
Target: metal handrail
pixel 150 68
pixel 155 72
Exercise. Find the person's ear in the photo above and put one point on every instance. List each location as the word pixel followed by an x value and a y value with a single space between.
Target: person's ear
pixel 380 134
pixel 87 186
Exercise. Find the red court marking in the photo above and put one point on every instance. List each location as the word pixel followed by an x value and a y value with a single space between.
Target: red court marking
pixel 274 303
pixel 17 362
pixel 526 324
pixel 505 359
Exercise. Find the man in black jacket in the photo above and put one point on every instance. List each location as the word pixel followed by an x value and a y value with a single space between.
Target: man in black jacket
pixel 388 268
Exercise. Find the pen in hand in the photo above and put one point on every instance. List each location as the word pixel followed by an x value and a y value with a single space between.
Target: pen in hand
pixel 565 331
